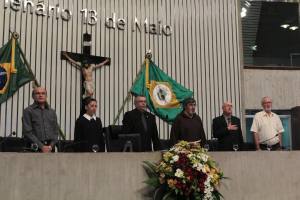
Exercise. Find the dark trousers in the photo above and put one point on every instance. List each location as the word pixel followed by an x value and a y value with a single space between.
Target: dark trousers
pixel 274 147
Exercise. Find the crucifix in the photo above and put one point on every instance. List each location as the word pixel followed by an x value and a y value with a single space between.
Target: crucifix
pixel 86 63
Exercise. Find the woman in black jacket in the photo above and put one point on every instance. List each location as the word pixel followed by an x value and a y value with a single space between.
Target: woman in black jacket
pixel 88 135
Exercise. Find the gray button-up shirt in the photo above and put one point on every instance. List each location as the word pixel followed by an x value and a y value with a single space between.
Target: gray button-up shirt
pixel 40 124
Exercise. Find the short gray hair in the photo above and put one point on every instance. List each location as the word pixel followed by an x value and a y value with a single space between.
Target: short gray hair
pixel 266 97
pixel 33 91
pixel 136 96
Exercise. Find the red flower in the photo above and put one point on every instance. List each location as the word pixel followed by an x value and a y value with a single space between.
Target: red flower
pixel 201 186
pixel 201 179
pixel 189 173
pixel 183 160
pixel 179 184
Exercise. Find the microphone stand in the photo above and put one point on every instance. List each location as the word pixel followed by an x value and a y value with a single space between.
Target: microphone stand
pixel 269 139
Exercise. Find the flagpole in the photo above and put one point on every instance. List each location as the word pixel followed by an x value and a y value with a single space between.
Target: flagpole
pixel 147 58
pixel 15 35
pixel 126 99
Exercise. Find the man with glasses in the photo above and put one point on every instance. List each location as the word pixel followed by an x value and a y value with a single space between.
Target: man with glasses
pixel 188 125
pixel 227 128
pixel 267 128
pixel 140 121
pixel 40 122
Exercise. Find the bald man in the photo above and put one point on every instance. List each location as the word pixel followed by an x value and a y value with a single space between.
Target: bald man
pixel 227 129
pixel 40 122
pixel 139 120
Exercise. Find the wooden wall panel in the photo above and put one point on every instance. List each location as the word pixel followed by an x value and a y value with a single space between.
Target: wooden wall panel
pixel 202 53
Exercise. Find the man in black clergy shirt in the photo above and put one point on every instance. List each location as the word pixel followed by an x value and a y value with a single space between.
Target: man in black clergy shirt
pixel 188 125
pixel 227 129
pixel 140 121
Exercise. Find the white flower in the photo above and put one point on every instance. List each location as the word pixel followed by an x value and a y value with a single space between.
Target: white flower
pixel 179 173
pixel 198 166
pixel 208 196
pixel 208 189
pixel 207 182
pixel 190 155
pixel 204 157
pixel 175 158
pixel 172 149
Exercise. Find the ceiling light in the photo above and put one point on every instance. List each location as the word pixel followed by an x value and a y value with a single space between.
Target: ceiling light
pixel 247 3
pixel 284 25
pixel 254 48
pixel 243 12
pixel 294 28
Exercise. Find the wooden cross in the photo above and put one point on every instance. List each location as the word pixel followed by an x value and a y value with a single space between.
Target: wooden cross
pixel 86 63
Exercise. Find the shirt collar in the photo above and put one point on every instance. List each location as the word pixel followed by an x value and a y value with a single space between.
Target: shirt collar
pixel 266 114
pixel 227 117
pixel 140 111
pixel 88 117
pixel 186 116
pixel 36 105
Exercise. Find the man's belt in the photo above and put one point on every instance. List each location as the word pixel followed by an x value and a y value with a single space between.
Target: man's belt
pixel 274 146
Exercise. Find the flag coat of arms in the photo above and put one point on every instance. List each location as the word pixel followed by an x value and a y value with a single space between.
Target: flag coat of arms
pixel 164 95
pixel 13 72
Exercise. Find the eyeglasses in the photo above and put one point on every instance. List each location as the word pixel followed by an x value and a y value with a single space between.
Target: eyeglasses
pixel 267 102
pixel 40 93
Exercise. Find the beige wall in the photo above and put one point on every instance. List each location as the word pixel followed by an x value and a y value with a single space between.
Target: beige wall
pixel 120 176
pixel 281 85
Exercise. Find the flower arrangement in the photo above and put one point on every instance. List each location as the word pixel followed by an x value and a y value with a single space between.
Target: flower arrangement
pixel 186 172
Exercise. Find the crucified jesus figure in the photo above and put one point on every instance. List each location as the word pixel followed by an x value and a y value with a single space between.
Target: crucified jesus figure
pixel 87 73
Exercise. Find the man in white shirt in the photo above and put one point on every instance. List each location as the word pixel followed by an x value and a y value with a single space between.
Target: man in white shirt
pixel 267 127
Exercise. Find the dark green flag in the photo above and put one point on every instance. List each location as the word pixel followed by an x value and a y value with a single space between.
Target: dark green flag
pixel 164 95
pixel 13 72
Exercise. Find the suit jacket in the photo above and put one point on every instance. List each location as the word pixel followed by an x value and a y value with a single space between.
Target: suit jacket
pixel 132 123
pixel 225 137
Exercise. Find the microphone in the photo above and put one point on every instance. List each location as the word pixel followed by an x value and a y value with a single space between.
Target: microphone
pixel 12 134
pixel 269 139
pixel 33 148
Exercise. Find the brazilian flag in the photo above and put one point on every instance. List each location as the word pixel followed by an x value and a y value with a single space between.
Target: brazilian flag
pixel 13 71
pixel 164 95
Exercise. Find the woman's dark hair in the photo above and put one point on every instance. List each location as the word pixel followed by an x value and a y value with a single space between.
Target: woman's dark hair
pixel 88 100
